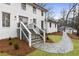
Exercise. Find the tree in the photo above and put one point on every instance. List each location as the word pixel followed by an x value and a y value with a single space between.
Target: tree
pixel 62 21
pixel 75 23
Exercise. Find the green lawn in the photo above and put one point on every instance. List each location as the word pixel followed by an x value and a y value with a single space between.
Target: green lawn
pixel 4 54
pixel 75 52
pixel 55 38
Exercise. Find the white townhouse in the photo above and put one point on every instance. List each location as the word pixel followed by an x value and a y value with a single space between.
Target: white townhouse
pixel 27 19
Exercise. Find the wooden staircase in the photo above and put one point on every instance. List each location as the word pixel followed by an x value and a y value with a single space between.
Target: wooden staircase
pixel 36 38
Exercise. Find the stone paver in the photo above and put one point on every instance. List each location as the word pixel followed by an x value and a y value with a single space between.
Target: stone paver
pixel 64 46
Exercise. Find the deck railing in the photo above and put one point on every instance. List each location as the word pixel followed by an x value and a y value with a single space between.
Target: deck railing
pixel 26 32
pixel 38 30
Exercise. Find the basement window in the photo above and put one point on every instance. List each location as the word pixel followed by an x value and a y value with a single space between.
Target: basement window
pixel 5 19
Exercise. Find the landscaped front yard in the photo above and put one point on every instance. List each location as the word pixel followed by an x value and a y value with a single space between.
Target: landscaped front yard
pixel 6 49
pixel 75 52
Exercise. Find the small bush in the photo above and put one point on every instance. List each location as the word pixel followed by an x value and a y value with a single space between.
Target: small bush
pixel 9 38
pixel 16 46
pixel 10 43
pixel 1 51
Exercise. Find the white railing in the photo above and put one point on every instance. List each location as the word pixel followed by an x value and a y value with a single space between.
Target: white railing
pixel 37 29
pixel 25 31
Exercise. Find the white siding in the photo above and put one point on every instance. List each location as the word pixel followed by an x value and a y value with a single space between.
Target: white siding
pixel 15 10
pixel 52 28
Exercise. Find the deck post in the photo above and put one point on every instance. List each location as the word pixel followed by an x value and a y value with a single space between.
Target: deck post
pixel 30 40
pixel 44 37
pixel 20 32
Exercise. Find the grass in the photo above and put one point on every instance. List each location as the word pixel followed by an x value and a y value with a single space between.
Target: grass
pixel 55 38
pixel 4 54
pixel 75 52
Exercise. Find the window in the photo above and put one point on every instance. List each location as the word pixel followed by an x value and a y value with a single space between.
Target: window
pixel 34 21
pixel 50 24
pixel 34 10
pixel 42 14
pixel 23 19
pixel 23 5
pixel 5 19
pixel 42 23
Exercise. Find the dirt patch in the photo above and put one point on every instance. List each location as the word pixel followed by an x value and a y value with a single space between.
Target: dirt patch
pixel 24 49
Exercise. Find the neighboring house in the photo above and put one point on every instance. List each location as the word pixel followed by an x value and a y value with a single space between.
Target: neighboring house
pixel 70 30
pixel 67 29
pixel 51 26
pixel 29 15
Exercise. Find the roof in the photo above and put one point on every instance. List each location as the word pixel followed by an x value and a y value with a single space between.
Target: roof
pixel 39 7
pixel 52 21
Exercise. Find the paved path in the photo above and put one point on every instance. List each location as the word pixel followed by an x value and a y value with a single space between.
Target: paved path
pixel 64 46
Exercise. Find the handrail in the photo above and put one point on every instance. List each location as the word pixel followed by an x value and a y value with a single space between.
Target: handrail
pixel 37 26
pixel 25 27
pixel 38 30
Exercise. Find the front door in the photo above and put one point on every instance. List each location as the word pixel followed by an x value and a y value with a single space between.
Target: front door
pixel 24 19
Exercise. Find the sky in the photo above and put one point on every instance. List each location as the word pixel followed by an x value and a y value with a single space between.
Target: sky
pixel 57 8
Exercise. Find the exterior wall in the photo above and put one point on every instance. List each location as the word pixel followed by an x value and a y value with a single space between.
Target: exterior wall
pixel 52 28
pixel 15 10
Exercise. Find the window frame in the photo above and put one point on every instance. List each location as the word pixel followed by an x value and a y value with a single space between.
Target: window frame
pixel 5 21
pixel 50 24
pixel 34 10
pixel 42 13
pixel 42 24
pixel 23 6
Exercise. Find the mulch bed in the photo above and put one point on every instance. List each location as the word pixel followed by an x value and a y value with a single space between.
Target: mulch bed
pixel 55 33
pixel 24 49
pixel 73 36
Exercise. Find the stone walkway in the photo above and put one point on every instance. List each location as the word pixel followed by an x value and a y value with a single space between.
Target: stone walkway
pixel 64 46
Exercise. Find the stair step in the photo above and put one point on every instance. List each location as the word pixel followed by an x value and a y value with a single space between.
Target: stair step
pixel 37 42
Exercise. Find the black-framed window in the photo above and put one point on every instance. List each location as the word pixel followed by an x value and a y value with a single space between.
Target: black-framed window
pixel 34 21
pixel 5 19
pixel 55 25
pixel 50 24
pixel 34 10
pixel 23 6
pixel 42 24
pixel 42 13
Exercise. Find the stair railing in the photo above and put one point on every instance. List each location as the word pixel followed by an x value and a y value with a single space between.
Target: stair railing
pixel 38 30
pixel 25 31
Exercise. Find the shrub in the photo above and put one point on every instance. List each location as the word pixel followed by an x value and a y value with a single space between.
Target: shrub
pixel 9 38
pixel 16 46
pixel 10 43
pixel 1 51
